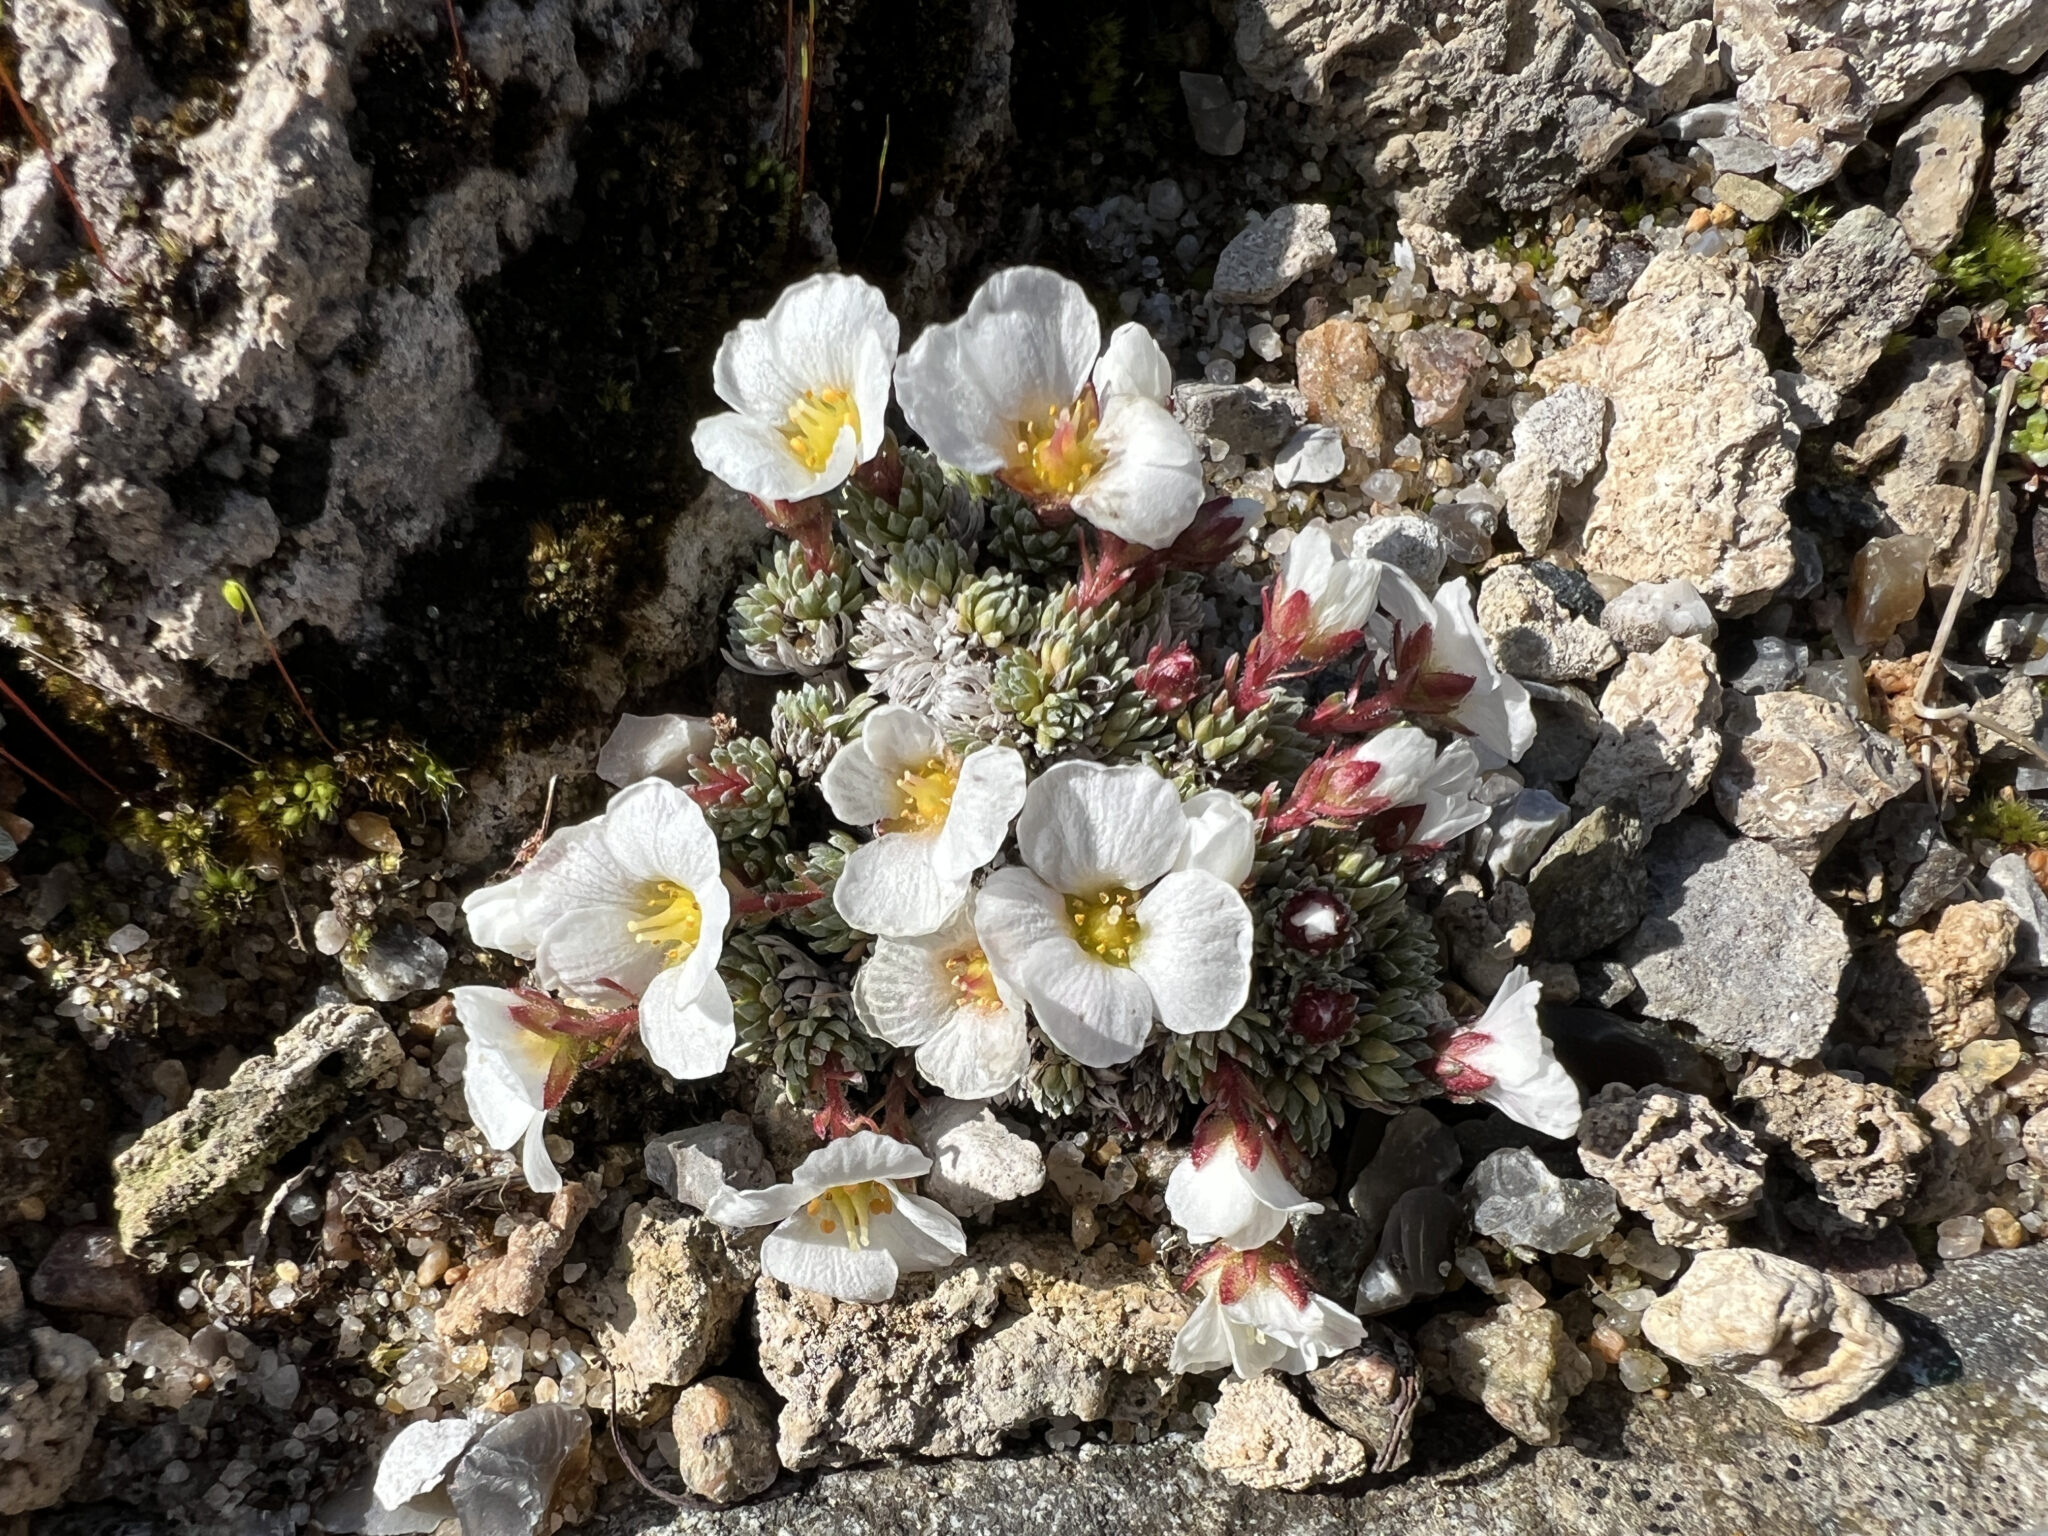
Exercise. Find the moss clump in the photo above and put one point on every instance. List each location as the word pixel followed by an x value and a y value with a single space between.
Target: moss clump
pixel 1993 260
pixel 573 574
pixel 2008 822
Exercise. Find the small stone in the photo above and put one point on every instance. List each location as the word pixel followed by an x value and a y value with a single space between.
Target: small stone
pixel 1967 1150
pixel 1849 293
pixel 1928 991
pixel 1887 584
pixel 1313 456
pixel 1517 1201
pixel 1521 829
pixel 978 1162
pixel 1674 1158
pixel 1959 1237
pixel 1647 614
pixel 1675 69
pixel 693 1165
pixel 1757 201
pixel 1481 276
pixel 1797 770
pixel 1567 726
pixel 87 1271
pixel 1660 737
pixel 1557 444
pixel 1934 168
pixel 1517 1364
pixel 2011 880
pixel 1805 1341
pixel 373 831
pixel 653 747
pixel 1414 544
pixel 1527 613
pixel 725 1439
pixel 1773 663
pixel 1270 255
pixel 1811 108
pixel 1737 154
pixel 399 961
pixel 1343 379
pixel 1590 889
pixel 1982 1063
pixel 1736 944
pixel 1859 1144
pixel 1935 881
pixel 48 1409
pixel 1416 1249
pixel 1248 418
pixel 505 1484
pixel 1444 366
pixel 1641 1371
pixel 1416 1151
pixel 1371 1393
pixel 515 1283
pixel 1216 118
pixel 2002 1229
pixel 1261 1437
pixel 1598 1047
pixel 127 939
pixel 413 1467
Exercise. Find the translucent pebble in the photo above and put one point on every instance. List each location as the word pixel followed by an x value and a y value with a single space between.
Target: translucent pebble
pixel 1640 1370
pixel 154 1344
pixel 504 1486
pixel 1643 1252
pixel 1385 486
pixel 1887 582
pixel 1959 1237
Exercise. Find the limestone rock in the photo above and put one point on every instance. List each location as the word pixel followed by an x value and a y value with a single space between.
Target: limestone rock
pixel 1811 109
pixel 1644 616
pixel 1660 736
pixel 725 1439
pixel 1966 1149
pixel 1415 544
pixel 1924 444
pixel 225 1139
pixel 1517 1201
pixel 1557 444
pixel 692 1164
pixel 1676 69
pixel 1674 1158
pixel 1805 1341
pixel 1371 1393
pixel 515 1282
pixel 1590 890
pixel 1270 255
pixel 666 1309
pixel 1261 1437
pixel 2019 167
pixel 1849 293
pixel 1534 629
pixel 1482 276
pixel 1700 455
pixel 1797 769
pixel 978 1162
pixel 1859 1144
pixel 1499 103
pixel 1934 168
pixel 1520 1366
pixel 1444 366
pixel 1024 1331
pixel 1928 991
pixel 1343 378
pixel 1736 944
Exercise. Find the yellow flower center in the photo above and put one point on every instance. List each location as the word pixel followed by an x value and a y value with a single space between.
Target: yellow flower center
pixel 974 984
pixel 676 921
pixel 1106 923
pixel 847 1207
pixel 1055 454
pixel 923 795
pixel 814 422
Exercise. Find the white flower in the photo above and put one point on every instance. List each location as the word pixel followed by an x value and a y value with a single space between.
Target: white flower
pixel 1494 707
pixel 1014 388
pixel 846 1228
pixel 940 993
pixel 1503 1059
pixel 1117 916
pixel 629 902
pixel 940 817
pixel 1325 599
pixel 507 1072
pixel 1258 1313
pixel 1448 807
pixel 808 387
pixel 1230 1188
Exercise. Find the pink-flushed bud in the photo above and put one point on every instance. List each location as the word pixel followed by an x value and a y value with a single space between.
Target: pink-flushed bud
pixel 1320 1015
pixel 1338 594
pixel 1258 1312
pixel 1315 922
pixel 1345 785
pixel 1502 1058
pixel 1232 1187
pixel 1170 678
pixel 807 524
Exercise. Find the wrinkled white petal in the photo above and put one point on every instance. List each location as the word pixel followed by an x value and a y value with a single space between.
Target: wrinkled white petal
pixel 1342 592
pixel 980 1053
pixel 902 991
pixel 899 739
pixel 1530 1086
pixel 1497 710
pixel 653 747
pixel 657 832
pixel 505 1067
pixel 858 792
pixel 987 798
pixel 755 459
pixel 1222 837
pixel 889 887
pixel 1133 364
pixel 798 1253
pixel 1309 1334
pixel 686 1023
pixel 1225 1202
pixel 1086 826
pixel 497 918
pixel 856 1158
pixel 1194 951
pixel 1097 1013
pixel 1150 484
pixel 731 1207
pixel 1406 758
pixel 1448 807
pixel 921 1233
pixel 590 949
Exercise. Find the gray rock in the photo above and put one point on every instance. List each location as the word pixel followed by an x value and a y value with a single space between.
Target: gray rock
pixel 1934 168
pixel 1772 663
pixel 1216 118
pixel 1514 1199
pixel 1737 154
pixel 1796 770
pixel 506 1481
pixel 183 1168
pixel 1708 120
pixel 1962 1423
pixel 1849 293
pixel 1415 544
pixel 1659 734
pixel 1371 1393
pixel 1676 69
pixel 691 1165
pixel 48 1407
pixel 1313 456
pixel 978 1161
pixel 1527 613
pixel 1567 726
pixel 398 962
pixel 1557 444
pixel 1524 99
pixel 1415 1252
pixel 1268 256
pixel 1937 879
pixel 1736 944
pixel 1521 829
pixel 1249 418
pixel 2019 166
pixel 1590 890
pixel 1647 614
pixel 2011 881
pixel 1810 107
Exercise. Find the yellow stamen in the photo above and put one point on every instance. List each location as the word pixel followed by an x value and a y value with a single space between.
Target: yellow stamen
pixel 1106 923
pixel 924 794
pixel 974 984
pixel 1055 453
pixel 814 422
pixel 852 1205
pixel 677 922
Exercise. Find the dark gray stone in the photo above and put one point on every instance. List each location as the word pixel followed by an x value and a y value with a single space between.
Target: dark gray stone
pixel 1589 890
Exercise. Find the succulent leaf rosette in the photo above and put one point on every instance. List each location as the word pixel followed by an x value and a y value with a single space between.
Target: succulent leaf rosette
pixel 1029 821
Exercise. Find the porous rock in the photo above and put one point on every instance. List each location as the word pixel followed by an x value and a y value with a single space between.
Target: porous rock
pixel 666 1308
pixel 1805 1341
pixel 1023 1331
pixel 1644 616
pixel 47 1407
pixel 725 1439
pixel 515 1282
pixel 978 1162
pixel 1966 1147
pixel 1932 990
pixel 1859 1144
pixel 1535 631
pixel 1498 103
pixel 1797 769
pixel 181 1169
pixel 1810 109
pixel 1849 293
pixel 1260 1436
pixel 1700 454
pixel 1674 1158
pixel 1659 737
pixel 1482 276
pixel 1736 944
pixel 1557 444
pixel 1520 1366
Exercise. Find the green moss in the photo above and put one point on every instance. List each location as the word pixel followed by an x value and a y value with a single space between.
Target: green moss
pixel 571 575
pixel 1993 260
pixel 2009 823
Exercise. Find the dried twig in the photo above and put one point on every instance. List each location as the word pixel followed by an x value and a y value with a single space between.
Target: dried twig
pixel 35 131
pixel 63 746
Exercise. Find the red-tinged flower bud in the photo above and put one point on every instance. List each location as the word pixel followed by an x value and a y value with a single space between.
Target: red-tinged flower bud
pixel 1315 922
pixel 1170 679
pixel 1322 1014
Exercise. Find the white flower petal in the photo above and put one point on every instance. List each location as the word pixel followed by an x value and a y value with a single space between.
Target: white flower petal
pixel 1497 710
pixel 1133 364
pixel 497 918
pixel 921 1233
pixel 499 1043
pixel 1150 484
pixel 1086 826
pixel 902 992
pixel 985 801
pixel 686 1023
pixel 542 1176
pixel 857 1158
pixel 797 1253
pixel 1222 837
pixel 899 739
pixel 1530 1086
pixel 653 747
pixel 1203 1343
pixel 858 792
pixel 590 948
pixel 657 832
pixel 889 887
pixel 813 338
pixel 978 1053
pixel 1406 758
pixel 1194 950
pixel 731 1207
pixel 1097 1013
pixel 1223 1201
pixel 755 459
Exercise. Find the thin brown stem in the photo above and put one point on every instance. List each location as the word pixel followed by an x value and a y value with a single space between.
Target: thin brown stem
pixel 35 131
pixel 21 767
pixel 135 704
pixel 455 33
pixel 1966 575
pixel 277 660
pixel 62 745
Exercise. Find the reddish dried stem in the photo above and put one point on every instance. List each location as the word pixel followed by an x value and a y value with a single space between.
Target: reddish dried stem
pixel 62 746
pixel 35 132
pixel 9 757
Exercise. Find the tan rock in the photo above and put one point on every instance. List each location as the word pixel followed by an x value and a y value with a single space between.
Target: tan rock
pixel 1934 168
pixel 1933 990
pixel 1659 737
pixel 1796 769
pixel 1674 1158
pixel 1444 365
pixel 1557 445
pixel 1261 1437
pixel 1478 275
pixel 1860 1144
pixel 1371 1392
pixel 1849 293
pixel 1700 454
pixel 1966 1156
pixel 725 1439
pixel 1811 108
pixel 515 1282
pixel 1534 634
pixel 1801 1338
pixel 1520 1366
pixel 48 1408
pixel 1344 380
